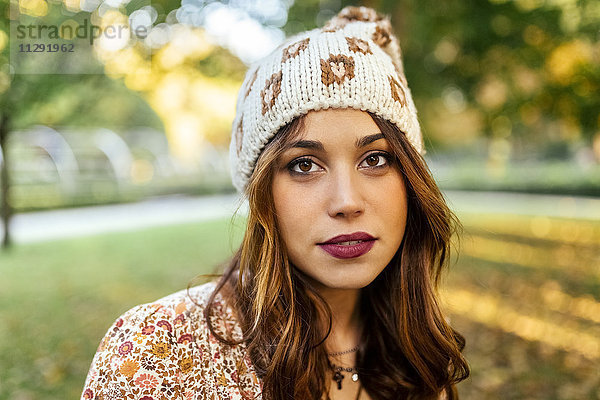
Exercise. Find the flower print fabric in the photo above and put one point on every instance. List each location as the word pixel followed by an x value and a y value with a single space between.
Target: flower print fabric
pixel 164 350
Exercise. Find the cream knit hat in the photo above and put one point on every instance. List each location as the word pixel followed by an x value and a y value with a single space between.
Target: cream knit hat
pixel 354 61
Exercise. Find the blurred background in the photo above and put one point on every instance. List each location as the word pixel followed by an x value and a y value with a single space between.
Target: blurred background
pixel 115 186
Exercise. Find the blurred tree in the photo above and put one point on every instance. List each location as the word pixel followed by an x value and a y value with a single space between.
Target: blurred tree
pixel 5 210
pixel 189 82
pixel 524 70
pixel 64 99
pixel 59 100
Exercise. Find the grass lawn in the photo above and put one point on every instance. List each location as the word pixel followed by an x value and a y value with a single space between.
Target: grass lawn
pixel 57 299
pixel 525 293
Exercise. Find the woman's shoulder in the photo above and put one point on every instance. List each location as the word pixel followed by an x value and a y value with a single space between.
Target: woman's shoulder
pixel 165 349
pixel 193 299
pixel 179 311
pixel 182 311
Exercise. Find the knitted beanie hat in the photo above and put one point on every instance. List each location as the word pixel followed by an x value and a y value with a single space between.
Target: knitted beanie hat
pixel 354 61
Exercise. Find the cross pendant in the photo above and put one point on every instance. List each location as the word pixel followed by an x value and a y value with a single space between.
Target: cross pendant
pixel 338 378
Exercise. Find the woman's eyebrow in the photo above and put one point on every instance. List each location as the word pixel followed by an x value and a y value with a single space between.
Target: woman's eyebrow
pixel 365 140
pixel 316 145
pixel 307 144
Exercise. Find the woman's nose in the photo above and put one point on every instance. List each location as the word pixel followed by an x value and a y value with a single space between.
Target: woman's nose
pixel 346 199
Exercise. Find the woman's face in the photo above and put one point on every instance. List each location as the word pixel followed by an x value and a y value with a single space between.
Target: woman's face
pixel 339 178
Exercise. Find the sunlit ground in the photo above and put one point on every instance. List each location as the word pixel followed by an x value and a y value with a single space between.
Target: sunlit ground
pixel 525 293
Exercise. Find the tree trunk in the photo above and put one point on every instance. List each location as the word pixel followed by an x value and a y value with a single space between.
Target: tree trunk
pixel 5 209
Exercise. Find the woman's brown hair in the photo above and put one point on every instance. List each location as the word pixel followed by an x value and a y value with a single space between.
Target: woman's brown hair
pixel 408 350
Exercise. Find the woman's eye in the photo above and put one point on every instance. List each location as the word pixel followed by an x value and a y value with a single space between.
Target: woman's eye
pixel 375 160
pixel 302 166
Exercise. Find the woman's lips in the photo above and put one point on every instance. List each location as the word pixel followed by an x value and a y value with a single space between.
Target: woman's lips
pixel 348 251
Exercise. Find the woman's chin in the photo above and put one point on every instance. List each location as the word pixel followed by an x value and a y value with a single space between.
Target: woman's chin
pixel 345 280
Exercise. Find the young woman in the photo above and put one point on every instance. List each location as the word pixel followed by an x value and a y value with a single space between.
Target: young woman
pixel 332 293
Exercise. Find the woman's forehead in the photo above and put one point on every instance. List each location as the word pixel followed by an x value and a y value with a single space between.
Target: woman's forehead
pixel 347 119
pixel 337 127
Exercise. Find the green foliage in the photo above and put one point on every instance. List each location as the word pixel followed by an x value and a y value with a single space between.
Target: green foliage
pixel 66 99
pixel 76 100
pixel 86 100
pixel 221 63
pixel 470 44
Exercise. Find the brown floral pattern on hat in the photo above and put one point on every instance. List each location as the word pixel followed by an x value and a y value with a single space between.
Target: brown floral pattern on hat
pixel 251 82
pixel 381 36
pixel 330 28
pixel 239 135
pixel 398 93
pixel 294 49
pixel 363 14
pixel 351 14
pixel 271 91
pixel 357 45
pixel 337 69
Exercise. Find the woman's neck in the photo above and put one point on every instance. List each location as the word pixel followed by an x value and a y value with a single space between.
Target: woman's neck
pixel 346 326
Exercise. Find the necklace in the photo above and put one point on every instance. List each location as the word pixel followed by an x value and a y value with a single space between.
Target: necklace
pixel 338 376
pixel 339 353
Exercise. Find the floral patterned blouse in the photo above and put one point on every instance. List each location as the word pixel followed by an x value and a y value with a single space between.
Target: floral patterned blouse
pixel 164 350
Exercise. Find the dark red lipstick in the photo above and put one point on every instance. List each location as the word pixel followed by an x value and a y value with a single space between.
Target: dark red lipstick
pixel 349 246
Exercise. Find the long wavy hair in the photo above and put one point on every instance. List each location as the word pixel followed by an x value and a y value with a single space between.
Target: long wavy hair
pixel 409 351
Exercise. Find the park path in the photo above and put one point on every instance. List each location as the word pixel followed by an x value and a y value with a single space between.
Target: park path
pixel 159 211
pixel 75 222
